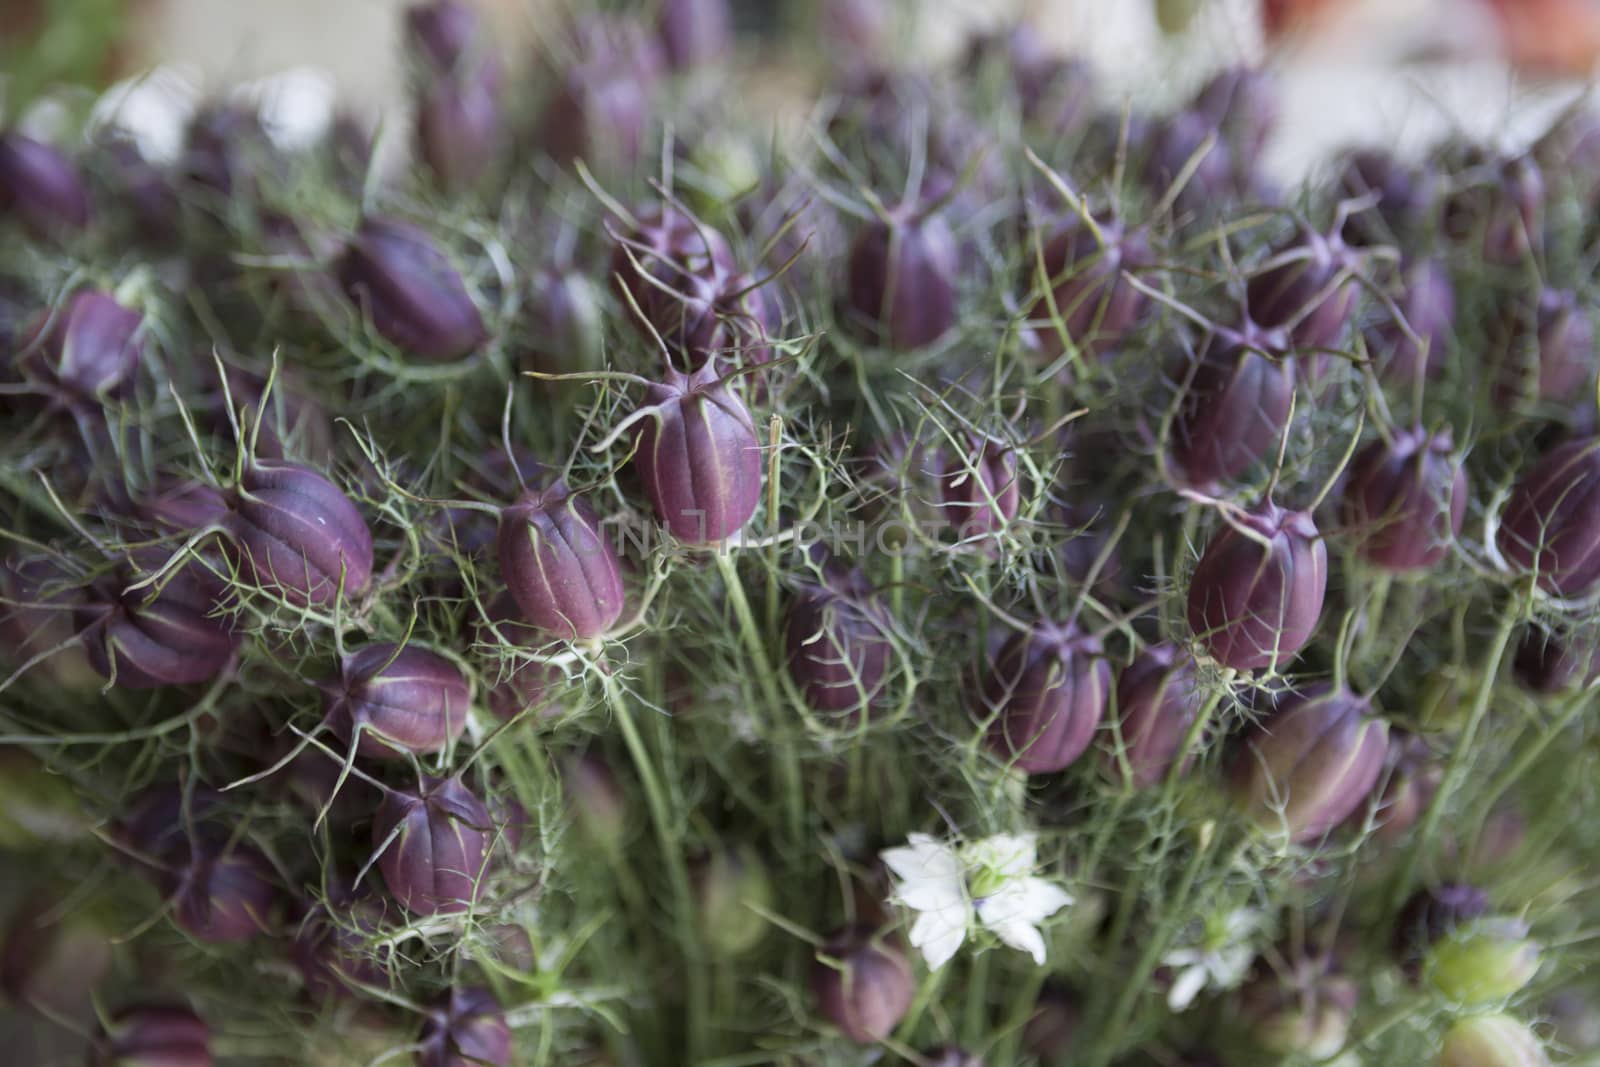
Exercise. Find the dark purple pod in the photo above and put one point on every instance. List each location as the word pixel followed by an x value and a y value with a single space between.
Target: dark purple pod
pixel 1426 300
pixel 1548 663
pixel 153 1035
pixel 1256 595
pixel 1234 407
pixel 1514 227
pixel 1310 763
pixel 330 946
pixel 1043 696
pixel 174 632
pixel 1404 195
pixel 440 847
pixel 220 893
pixel 1241 104
pixel 461 126
pixel 559 566
pixel 39 603
pixel 1173 144
pixel 1429 916
pixel 900 279
pixel 699 458
pixel 442 34
pixel 292 532
pixel 660 261
pixel 1410 782
pixel 184 506
pixel 465 1029
pixel 865 985
pixel 722 321
pixel 1307 288
pixel 224 148
pixel 53 963
pixel 40 187
pixel 981 491
pixel 1077 272
pixel 405 699
pixel 89 348
pixel 695 33
pixel 566 331
pixel 1551 523
pixel 399 277
pixel 1405 499
pixel 601 109
pixel 836 636
pixel 1157 700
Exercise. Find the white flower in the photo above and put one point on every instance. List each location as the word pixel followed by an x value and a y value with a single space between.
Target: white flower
pixel 990 880
pixel 1220 960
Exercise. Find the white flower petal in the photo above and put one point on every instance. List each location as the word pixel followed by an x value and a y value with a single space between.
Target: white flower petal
pixel 1020 935
pixel 1029 900
pixel 1186 987
pixel 938 934
pixel 1008 855
pixel 1230 965
pixel 1183 957
pixel 928 875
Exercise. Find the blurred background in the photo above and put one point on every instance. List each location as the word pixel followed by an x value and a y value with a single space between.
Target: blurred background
pixel 1399 70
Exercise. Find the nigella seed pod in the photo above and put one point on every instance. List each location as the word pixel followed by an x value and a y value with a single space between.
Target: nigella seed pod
pixel 1495 1040
pixel 435 842
pixel 89 349
pixel 403 699
pixel 695 33
pixel 1548 663
pixel 466 1029
pixel 461 126
pixel 526 686
pixel 731 888
pixel 1242 104
pixel 566 328
pixel 1483 962
pixel 900 279
pixel 837 640
pixel 1256 595
pixel 442 34
pixel 1309 764
pixel 330 946
pixel 397 275
pixel 654 261
pixel 1308 1015
pixel 220 893
pixel 1174 144
pixel 699 458
pixel 1551 523
pixel 38 605
pixel 560 567
pixel 1431 914
pixel 1426 300
pixel 1044 694
pixel 1236 401
pixel 153 1035
pixel 293 533
pixel 1405 499
pixel 1306 287
pixel 40 187
pixel 982 491
pixel 862 984
pixel 1410 784
pixel 1404 195
pixel 1157 700
pixel 171 633
pixel 1077 272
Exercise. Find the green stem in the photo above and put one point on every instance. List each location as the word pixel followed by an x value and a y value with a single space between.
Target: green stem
pixel 1462 756
pixel 975 1023
pixel 677 869
pixel 788 762
pixel 1576 705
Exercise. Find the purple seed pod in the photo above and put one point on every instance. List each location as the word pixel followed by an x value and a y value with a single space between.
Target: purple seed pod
pixel 398 276
pixel 699 458
pixel 1046 692
pixel 1493 1040
pixel 1307 288
pixel 440 847
pixel 836 635
pixel 695 33
pixel 665 248
pixel 559 565
pixel 465 1029
pixel 330 950
pixel 53 964
pixel 1551 523
pixel 900 286
pixel 1514 228
pixel 88 349
pixel 184 507
pixel 1055 1025
pixel 1404 197
pixel 405 699
pixel 153 1035
pixel 38 608
pixel 1157 700
pixel 566 324
pixel 1405 499
pixel 170 633
pixel 1426 298
pixel 1309 764
pixel 531 685
pixel 1256 595
pixel 602 106
pixel 219 893
pixel 460 126
pixel 293 533
pixel 865 985
pixel 224 146
pixel 1410 783
pixel 154 834
pixel 1242 104
pixel 1078 273
pixel 1550 351
pixel 442 34
pixel 1429 916
pixel 40 187
pixel 1547 663
pixel 982 491
pixel 1174 142
pixel 1235 405
pixel 140 187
